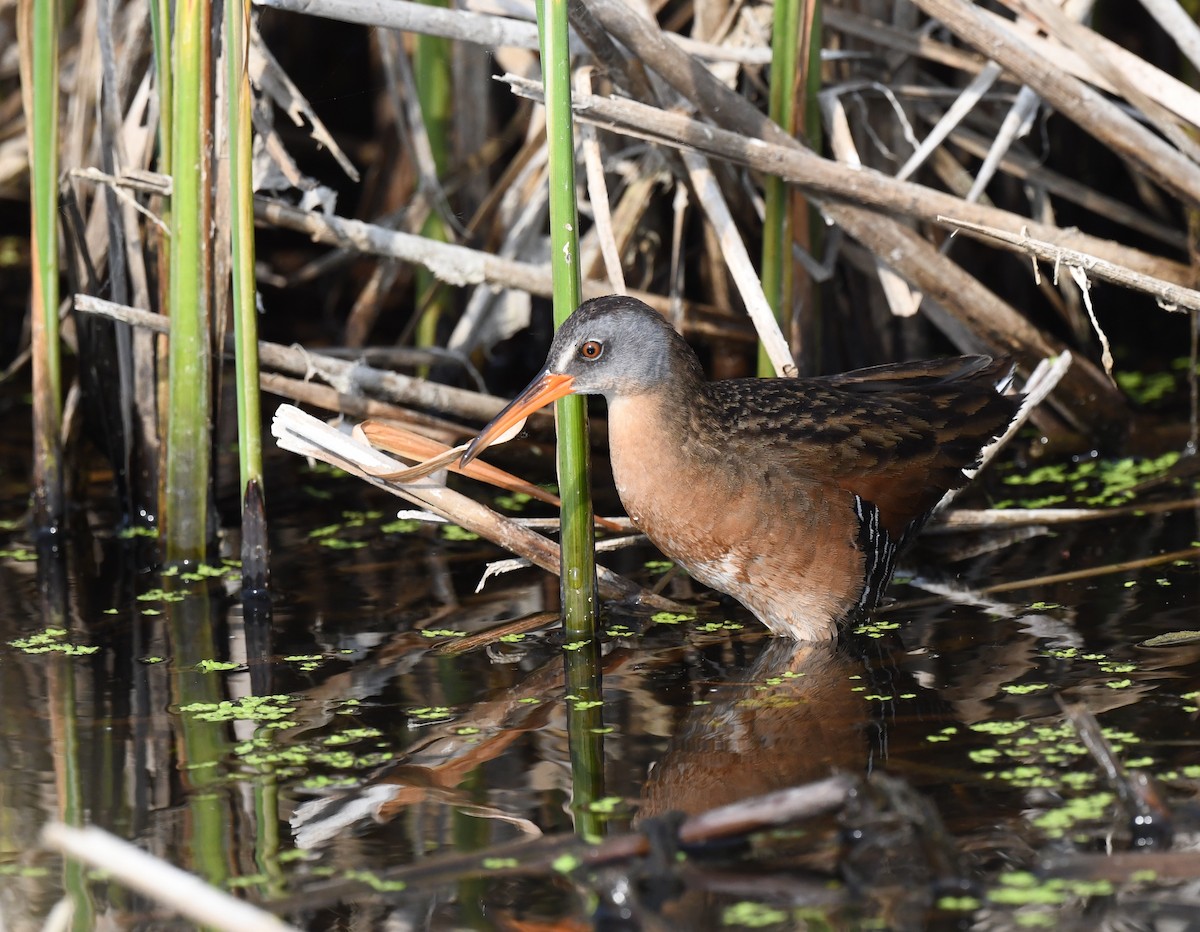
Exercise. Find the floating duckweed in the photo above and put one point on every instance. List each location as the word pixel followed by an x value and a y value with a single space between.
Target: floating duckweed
pixel 1145 388
pixel 998 728
pixel 514 502
pixel 1024 689
pixel 338 543
pixel 1057 822
pixel 247 709
pixel 585 704
pixel 400 526
pixel 466 731
pixel 607 805
pixel 442 633
pixel 456 532
pixel 657 566
pixel 752 915
pixel 565 863
pixel 669 618
pixel 353 734
pixel 1119 684
pixel 430 713
pixel 161 595
pixel 323 782
pixel 129 533
pixel 576 645
pixel 327 531
pixel 511 638
pixel 499 864
pixel 958 904
pixel 877 628
pixel 1115 480
pixel 306 662
pixel 247 880
pixel 217 666
pixel 51 640
pixel 375 882
pixel 1022 888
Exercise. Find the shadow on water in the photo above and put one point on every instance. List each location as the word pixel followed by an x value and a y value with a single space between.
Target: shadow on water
pixel 335 753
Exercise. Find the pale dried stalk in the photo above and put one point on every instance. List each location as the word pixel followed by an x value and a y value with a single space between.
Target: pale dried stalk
pixel 733 250
pixel 1170 297
pixel 161 882
pixel 1075 100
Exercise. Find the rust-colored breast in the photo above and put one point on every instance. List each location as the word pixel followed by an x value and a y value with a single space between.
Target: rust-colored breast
pixel 785 546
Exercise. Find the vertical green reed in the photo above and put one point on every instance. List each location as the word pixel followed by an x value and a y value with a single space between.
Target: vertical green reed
pixel 578 577
pixel 160 33
pixel 777 277
pixel 241 191
pixel 37 22
pixel 63 710
pixel 433 68
pixel 201 747
pixel 185 495
pixel 795 22
pixel 574 473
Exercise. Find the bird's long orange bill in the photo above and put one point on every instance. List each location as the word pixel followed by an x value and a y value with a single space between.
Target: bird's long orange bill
pixel 547 387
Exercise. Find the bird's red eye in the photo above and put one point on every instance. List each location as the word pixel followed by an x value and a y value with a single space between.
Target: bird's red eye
pixel 592 349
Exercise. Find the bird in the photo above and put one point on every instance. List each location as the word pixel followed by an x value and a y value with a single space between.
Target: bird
pixel 792 495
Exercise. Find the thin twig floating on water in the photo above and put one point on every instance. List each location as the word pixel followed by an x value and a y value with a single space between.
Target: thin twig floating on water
pixel 966 519
pixel 1091 572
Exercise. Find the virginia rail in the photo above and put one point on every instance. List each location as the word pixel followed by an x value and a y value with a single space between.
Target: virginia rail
pixel 793 495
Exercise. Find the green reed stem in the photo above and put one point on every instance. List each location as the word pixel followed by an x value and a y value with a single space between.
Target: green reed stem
pixel 433 68
pixel 795 83
pixel 241 191
pixel 185 495
pixel 574 468
pixel 585 727
pixel 160 33
pixel 37 22
pixel 777 277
